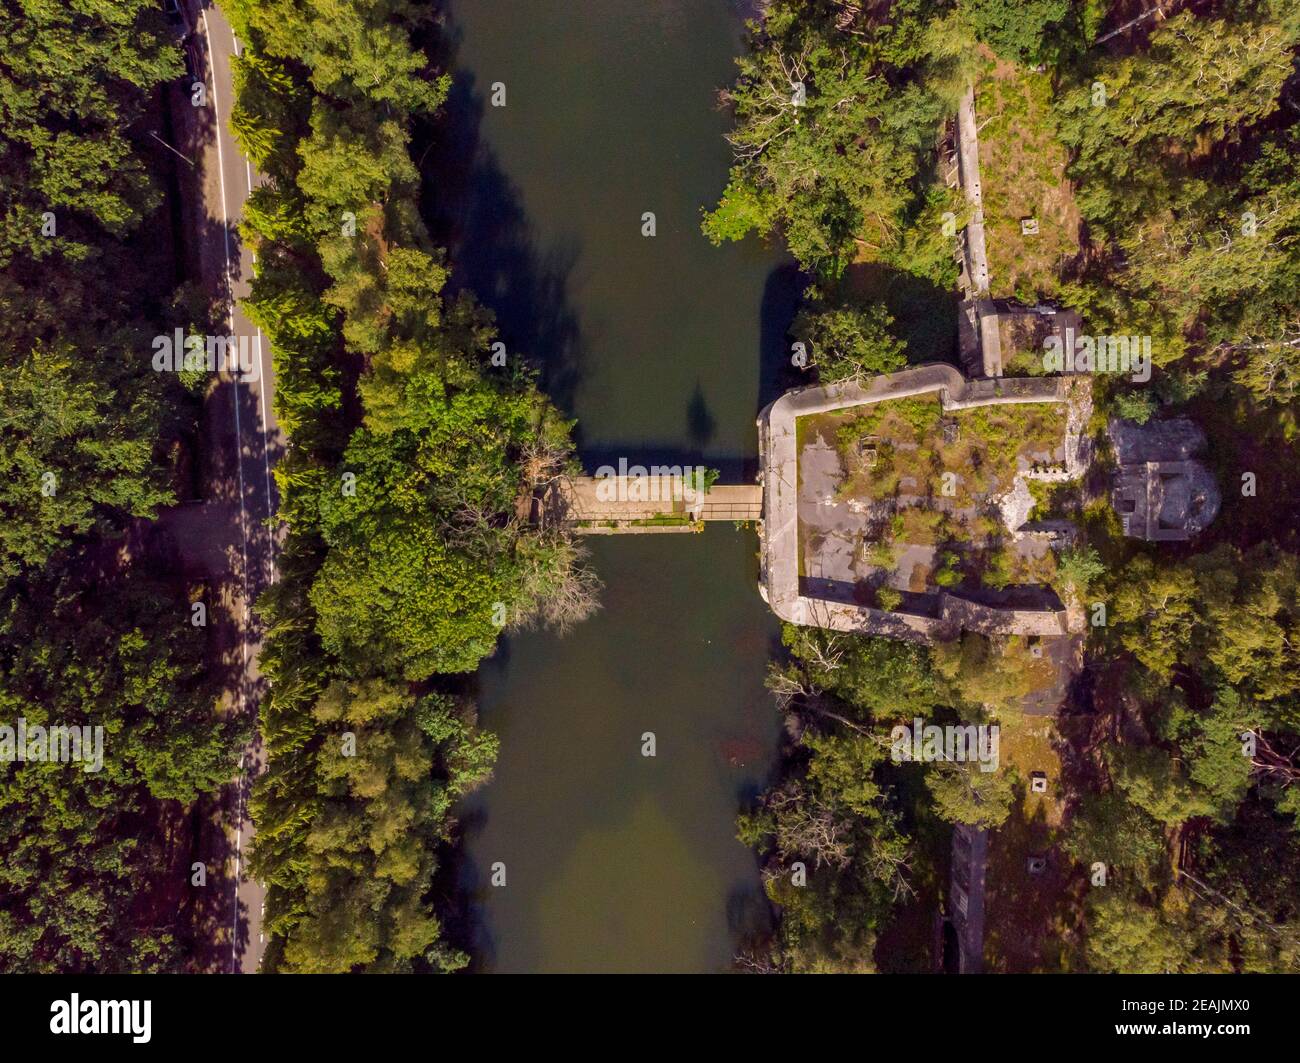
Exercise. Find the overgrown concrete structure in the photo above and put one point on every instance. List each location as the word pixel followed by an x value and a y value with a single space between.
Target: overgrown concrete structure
pixel 990 332
pixel 1161 493
pixel 799 598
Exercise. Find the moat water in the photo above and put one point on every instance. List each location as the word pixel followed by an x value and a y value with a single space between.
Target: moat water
pixel 664 348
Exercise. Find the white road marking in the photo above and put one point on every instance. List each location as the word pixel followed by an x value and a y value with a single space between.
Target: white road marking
pixel 239 437
pixel 261 365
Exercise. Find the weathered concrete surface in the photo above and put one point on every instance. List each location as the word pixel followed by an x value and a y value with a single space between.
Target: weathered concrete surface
pixel 966 890
pixel 990 338
pixel 595 501
pixel 989 620
pixel 969 156
pixel 778 447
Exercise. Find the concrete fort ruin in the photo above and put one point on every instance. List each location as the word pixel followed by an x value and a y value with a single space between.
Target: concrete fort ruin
pixel 953 487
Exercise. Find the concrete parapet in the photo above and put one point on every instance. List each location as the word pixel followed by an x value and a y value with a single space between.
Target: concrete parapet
pixel 965 615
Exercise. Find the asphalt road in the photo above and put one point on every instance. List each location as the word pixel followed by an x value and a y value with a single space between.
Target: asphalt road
pixel 243 431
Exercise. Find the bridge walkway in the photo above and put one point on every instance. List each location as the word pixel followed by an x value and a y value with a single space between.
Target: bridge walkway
pixel 632 504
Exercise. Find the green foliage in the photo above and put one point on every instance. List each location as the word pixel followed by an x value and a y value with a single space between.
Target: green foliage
pixel 964 794
pixel 832 820
pixel 1109 829
pixel 76 454
pixel 1213 679
pixel 834 166
pixel 839 803
pixel 1124 935
pixel 75 79
pixel 1015 29
pixel 88 878
pixel 392 596
pixel 996 674
pixel 1186 87
pixel 373 808
pixel 77 444
pixel 1186 175
pixel 741 211
pixel 835 807
pixel 1153 781
pixel 1078 568
pixel 407 552
pixel 885 679
pixel 847 342
pixel 94 860
pixel 1233 913
pixel 924 246
pixel 1228 614
pixel 1136 406
pixel 948 573
pixel 999 569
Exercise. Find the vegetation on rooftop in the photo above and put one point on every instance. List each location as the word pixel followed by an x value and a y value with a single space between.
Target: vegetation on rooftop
pixel 1175 143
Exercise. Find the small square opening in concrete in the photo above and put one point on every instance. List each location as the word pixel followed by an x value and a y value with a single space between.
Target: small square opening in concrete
pixel 1036 864
pixel 1028 226
pixel 1038 782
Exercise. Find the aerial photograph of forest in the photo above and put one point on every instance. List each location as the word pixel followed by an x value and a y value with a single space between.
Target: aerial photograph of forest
pixel 676 487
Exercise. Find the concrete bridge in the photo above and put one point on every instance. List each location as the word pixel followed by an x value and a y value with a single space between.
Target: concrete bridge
pixel 663 502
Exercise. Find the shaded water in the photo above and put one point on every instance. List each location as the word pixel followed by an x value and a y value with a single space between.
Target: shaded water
pixel 663 348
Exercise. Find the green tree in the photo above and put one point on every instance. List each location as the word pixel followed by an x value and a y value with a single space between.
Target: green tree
pixel 1200 80
pixel 76 455
pixel 88 878
pixel 848 343
pixel 1127 936
pixel 1079 568
pixel 386 768
pixel 826 145
pixel 965 794
pixel 1016 29
pixel 1155 783
pixel 75 79
pixel 1107 828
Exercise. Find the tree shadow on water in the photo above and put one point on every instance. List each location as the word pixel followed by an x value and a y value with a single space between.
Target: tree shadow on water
pixel 701 426
pixel 476 212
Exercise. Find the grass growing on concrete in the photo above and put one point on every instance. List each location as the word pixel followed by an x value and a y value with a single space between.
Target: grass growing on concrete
pixel 899 450
pixel 924 488
pixel 1022 175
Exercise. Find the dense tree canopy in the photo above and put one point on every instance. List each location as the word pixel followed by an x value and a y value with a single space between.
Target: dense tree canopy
pixel 89 881
pixel 832 121
pixel 1186 172
pixel 1209 712
pixel 82 418
pixel 410 547
pixel 96 861
pixel 1016 29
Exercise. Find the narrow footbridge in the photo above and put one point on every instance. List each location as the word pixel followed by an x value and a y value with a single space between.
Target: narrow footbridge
pixel 640 504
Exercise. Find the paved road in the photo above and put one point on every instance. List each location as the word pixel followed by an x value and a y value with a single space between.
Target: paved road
pixel 245 440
